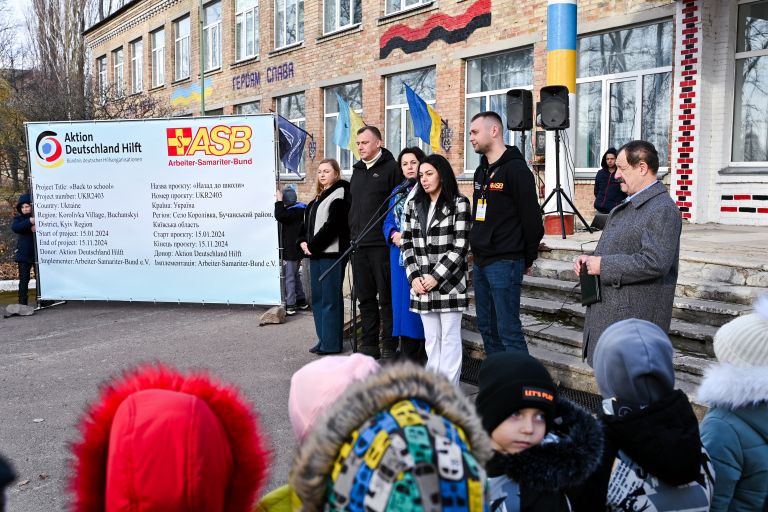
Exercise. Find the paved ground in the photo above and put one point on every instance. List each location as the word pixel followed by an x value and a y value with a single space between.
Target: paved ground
pixel 51 364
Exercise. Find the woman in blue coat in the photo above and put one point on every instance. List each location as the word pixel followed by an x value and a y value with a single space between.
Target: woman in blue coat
pixel 24 226
pixel 405 324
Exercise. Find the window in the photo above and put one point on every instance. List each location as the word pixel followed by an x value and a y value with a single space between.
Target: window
pixel 341 14
pixel 289 22
pixel 101 69
pixel 158 57
pixel 212 36
pixel 254 107
pixel 750 109
pixel 292 108
pixel 246 29
pixel 488 80
pixel 137 68
pixel 623 92
pixel 398 124
pixel 181 48
pixel 393 6
pixel 353 95
pixel 117 68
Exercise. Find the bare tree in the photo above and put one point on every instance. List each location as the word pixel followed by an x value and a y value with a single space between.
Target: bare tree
pixel 110 103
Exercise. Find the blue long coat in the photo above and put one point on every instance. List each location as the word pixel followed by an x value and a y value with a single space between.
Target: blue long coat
pixel 404 322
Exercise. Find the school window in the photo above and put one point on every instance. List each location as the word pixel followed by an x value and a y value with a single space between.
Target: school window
pixel 398 125
pixel 101 67
pixel 289 22
pixel 488 80
pixel 341 14
pixel 393 6
pixel 181 48
pixel 750 108
pixel 352 93
pixel 623 92
pixel 137 67
pixel 158 57
pixel 292 108
pixel 252 107
pixel 246 29
pixel 212 36
pixel 117 72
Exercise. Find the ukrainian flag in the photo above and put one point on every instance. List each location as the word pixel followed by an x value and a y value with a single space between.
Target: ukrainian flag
pixel 349 121
pixel 427 124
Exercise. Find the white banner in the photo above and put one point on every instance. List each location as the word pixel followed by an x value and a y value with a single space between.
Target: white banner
pixel 157 210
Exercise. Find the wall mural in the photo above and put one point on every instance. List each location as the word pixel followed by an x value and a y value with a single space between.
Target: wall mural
pixel 451 29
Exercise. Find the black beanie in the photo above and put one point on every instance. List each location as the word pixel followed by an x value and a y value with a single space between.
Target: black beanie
pixel 510 381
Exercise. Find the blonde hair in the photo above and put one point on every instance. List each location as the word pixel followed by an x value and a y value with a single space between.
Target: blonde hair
pixel 319 188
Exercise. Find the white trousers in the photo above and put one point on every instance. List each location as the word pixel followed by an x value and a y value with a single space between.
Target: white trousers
pixel 442 333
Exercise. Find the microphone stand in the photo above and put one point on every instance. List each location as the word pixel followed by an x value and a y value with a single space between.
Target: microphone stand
pixel 353 245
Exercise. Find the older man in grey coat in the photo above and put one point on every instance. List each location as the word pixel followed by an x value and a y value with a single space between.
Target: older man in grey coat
pixel 638 253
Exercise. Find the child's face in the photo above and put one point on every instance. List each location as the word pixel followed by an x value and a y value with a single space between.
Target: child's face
pixel 523 429
pixel 26 209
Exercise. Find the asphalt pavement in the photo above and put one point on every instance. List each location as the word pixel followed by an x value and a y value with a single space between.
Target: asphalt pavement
pixel 52 363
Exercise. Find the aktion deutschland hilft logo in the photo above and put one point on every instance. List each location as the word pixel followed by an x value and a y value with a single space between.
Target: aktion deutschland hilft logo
pixel 48 150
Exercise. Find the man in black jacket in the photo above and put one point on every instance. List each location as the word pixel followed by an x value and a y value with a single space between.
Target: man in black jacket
pixel 373 178
pixel 506 231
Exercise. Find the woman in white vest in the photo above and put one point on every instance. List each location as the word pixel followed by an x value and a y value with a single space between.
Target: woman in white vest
pixel 323 238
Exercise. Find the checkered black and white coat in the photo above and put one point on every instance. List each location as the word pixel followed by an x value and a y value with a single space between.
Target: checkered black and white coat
pixel 441 253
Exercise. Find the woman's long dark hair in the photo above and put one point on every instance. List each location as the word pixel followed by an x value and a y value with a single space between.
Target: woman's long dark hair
pixel 415 151
pixel 449 189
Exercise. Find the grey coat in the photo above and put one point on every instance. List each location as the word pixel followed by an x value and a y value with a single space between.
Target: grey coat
pixel 640 251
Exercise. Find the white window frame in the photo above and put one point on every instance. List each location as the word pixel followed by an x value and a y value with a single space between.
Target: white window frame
pixel 405 111
pixel 337 26
pixel 181 54
pixel 329 136
pixel 414 4
pixel 101 70
pixel 158 56
pixel 284 28
pixel 137 66
pixel 212 38
pixel 241 31
pixel 118 72
pixel 607 80
pixel 736 57
pixel 302 123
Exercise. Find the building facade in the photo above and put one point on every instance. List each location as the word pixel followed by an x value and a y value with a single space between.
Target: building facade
pixel 691 76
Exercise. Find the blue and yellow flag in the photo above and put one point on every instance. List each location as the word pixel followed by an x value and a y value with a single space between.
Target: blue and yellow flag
pixel 349 121
pixel 427 124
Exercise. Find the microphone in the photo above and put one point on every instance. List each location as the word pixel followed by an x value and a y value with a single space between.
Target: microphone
pixel 407 182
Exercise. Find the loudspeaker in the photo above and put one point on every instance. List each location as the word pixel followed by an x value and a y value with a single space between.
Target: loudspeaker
pixel 519 110
pixel 553 107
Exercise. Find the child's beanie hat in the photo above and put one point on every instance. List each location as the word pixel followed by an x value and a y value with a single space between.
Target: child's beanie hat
pixel 510 381
pixel 743 342
pixel 317 385
pixel 289 196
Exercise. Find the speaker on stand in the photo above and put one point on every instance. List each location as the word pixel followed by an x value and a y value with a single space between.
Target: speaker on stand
pixel 520 113
pixel 554 115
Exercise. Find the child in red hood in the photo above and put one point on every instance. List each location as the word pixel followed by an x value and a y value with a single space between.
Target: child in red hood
pixel 160 440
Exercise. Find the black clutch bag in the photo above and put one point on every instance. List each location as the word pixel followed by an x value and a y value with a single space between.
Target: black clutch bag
pixel 590 287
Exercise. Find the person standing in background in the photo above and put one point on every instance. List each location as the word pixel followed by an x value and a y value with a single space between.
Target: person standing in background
pixel 290 214
pixel 608 191
pixel 24 227
pixel 405 323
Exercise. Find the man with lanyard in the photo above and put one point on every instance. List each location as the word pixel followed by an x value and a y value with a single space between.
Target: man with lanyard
pixel 505 234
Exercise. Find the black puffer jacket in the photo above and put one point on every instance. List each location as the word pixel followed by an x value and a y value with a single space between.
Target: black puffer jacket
pixel 22 226
pixel 369 188
pixel 546 472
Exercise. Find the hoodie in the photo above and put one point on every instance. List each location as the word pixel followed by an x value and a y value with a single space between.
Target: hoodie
pixel 513 227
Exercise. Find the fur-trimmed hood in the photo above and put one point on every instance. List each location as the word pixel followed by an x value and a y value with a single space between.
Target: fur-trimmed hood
pixel 556 466
pixel 363 400
pixel 730 387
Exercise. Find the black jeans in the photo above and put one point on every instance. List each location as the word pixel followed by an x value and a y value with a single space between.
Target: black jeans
pixel 370 269
pixel 24 271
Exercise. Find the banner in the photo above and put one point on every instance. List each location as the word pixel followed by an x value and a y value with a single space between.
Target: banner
pixel 167 210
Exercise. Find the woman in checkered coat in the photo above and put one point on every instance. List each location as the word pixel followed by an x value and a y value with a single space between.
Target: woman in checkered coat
pixel 435 241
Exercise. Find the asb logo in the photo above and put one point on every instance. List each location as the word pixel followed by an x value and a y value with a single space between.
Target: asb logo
pixel 48 150
pixel 217 141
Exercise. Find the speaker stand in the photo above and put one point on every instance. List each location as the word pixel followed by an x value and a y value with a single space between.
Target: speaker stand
pixel 560 194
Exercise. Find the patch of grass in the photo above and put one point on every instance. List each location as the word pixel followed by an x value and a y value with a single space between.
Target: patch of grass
pixel 13 297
